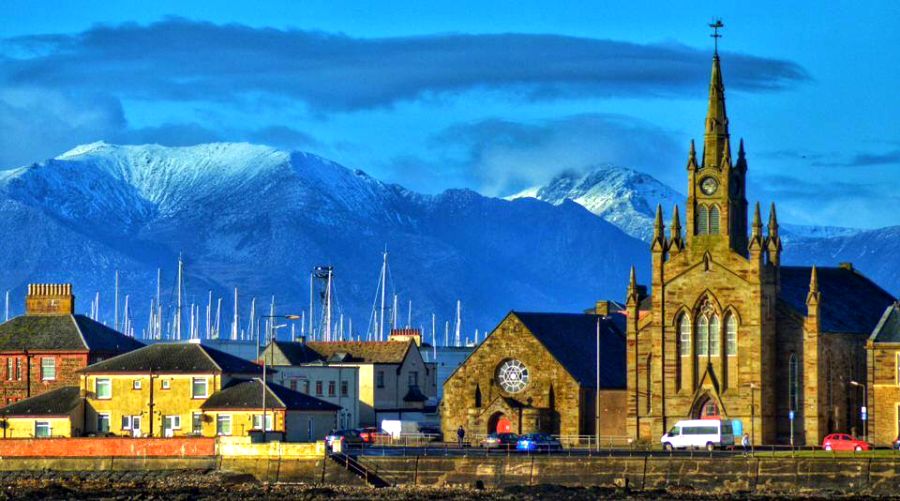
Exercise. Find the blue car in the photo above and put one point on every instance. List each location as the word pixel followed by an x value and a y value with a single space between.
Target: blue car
pixel 538 442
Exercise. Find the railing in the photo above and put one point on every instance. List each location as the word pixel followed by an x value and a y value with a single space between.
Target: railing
pixel 405 439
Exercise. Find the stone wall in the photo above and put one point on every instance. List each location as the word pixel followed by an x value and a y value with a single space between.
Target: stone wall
pixel 28 382
pixel 107 447
pixel 884 392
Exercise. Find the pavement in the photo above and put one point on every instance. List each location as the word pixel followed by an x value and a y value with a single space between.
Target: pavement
pixel 456 451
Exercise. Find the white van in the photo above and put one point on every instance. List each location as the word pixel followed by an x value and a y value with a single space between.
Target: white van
pixel 708 433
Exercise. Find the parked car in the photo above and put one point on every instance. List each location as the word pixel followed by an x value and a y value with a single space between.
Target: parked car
pixel 844 442
pixel 371 434
pixel 696 433
pixel 500 441
pixel 538 442
pixel 346 437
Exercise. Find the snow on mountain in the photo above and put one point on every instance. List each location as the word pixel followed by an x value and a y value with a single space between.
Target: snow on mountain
pixel 260 219
pixel 622 196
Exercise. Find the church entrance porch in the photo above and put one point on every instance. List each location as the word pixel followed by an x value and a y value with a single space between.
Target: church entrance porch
pixel 705 408
pixel 499 423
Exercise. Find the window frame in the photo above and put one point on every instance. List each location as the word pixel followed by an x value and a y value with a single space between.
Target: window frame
pixel 108 419
pixel 107 383
pixel 319 389
pixel 715 336
pixel 220 420
pixel 684 335
pixel 43 424
pixel 702 221
pixel 345 389
pixel 197 423
pixel 332 388
pixel 379 379
pixel 702 336
pixel 44 376
pixel 257 421
pixel 137 384
pixel 126 423
pixel 165 384
pixel 194 382
pixel 715 217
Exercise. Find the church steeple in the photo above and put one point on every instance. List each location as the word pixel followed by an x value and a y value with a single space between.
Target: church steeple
pixel 715 139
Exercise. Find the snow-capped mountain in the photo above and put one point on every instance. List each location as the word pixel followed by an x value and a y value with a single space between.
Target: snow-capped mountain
pixel 623 197
pixel 260 219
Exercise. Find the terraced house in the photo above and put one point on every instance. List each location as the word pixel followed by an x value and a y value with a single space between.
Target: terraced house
pixel 44 349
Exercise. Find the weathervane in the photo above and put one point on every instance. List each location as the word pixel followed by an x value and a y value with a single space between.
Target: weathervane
pixel 715 25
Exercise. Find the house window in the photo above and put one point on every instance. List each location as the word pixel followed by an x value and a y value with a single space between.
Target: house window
pixel 318 388
pixel 715 336
pixel 223 424
pixel 379 379
pixel 9 369
pixel 126 422
pixel 413 379
pixel 172 422
pixel 103 388
pixel 18 369
pixel 200 387
pixel 48 369
pixel 136 384
pixel 332 388
pixel 257 420
pixel 306 387
pixel 702 336
pixel 197 423
pixel 293 385
pixel 165 384
pixel 42 429
pixel 103 423
pixel 684 335
pixel 731 335
pixel 345 389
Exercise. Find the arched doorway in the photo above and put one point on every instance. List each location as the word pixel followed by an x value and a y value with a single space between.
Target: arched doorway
pixel 706 408
pixel 499 423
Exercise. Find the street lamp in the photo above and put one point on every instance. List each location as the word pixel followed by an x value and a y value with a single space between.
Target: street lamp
pixel 865 409
pixel 269 332
pixel 752 417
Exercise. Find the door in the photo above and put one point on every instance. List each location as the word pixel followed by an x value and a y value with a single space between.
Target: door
pixel 169 426
pixel 136 426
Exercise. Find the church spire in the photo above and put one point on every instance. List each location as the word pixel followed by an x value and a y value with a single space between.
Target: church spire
pixel 813 297
pixel 773 241
pixel 675 242
pixel 716 118
pixel 692 157
pixel 659 232
pixel 632 284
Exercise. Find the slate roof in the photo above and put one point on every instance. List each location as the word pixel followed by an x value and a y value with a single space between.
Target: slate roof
pixel 888 328
pixel 287 353
pixel 175 358
pixel 373 352
pixel 247 394
pixel 62 333
pixel 572 340
pixel 851 303
pixel 58 402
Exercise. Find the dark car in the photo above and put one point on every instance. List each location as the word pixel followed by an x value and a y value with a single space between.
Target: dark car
pixel 500 441
pixel 346 437
pixel 371 434
pixel 538 442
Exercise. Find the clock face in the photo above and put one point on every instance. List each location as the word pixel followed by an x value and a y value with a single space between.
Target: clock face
pixel 709 185
pixel 512 376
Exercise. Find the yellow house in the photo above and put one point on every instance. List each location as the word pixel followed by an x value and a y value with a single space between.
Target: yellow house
pixel 290 415
pixel 158 390
pixel 57 413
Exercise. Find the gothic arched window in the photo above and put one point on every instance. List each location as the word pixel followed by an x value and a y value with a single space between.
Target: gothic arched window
pixel 702 220
pixel 684 335
pixel 793 383
pixel 730 335
pixel 714 220
pixel 702 336
pixel 477 396
pixel 715 336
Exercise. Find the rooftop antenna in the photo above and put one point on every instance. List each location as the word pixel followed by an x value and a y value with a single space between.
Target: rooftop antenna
pixel 715 25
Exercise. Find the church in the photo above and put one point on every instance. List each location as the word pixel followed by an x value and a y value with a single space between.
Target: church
pixel 728 330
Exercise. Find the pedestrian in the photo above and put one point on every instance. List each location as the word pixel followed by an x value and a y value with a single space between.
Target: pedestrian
pixel 460 435
pixel 745 442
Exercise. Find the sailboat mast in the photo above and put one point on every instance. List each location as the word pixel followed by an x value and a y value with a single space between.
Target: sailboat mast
pixel 218 318
pixel 178 305
pixel 7 304
pixel 409 315
pixel 234 323
pixel 209 315
pixel 312 315
pixel 458 321
pixel 251 325
pixel 116 309
pixel 158 303
pixel 328 305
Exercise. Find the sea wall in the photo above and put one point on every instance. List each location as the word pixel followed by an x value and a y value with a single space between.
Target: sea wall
pixel 107 447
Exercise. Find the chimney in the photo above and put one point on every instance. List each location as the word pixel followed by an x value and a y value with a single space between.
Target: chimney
pixel 846 266
pixel 49 299
pixel 405 335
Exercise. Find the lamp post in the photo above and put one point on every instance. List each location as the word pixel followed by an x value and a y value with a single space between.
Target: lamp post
pixel 752 417
pixel 269 332
pixel 865 409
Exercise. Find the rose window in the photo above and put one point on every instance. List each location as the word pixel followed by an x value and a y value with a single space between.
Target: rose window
pixel 512 376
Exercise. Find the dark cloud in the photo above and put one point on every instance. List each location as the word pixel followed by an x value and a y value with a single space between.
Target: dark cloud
pixel 867 159
pixel 172 134
pixel 499 157
pixel 182 60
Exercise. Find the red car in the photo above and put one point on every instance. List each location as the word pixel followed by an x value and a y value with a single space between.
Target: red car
pixel 844 442
pixel 371 434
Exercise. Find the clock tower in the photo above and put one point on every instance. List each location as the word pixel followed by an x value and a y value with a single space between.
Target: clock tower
pixel 717 202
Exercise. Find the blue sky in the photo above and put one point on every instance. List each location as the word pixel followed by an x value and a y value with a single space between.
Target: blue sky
pixel 493 96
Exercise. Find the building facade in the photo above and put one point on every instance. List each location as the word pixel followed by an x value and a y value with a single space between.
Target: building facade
pixel 731 332
pixel 537 372
pixel 44 349
pixel 883 381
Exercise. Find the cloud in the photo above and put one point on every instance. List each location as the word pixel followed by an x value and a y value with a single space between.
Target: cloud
pixel 867 159
pixel 182 60
pixel 283 137
pixel 170 134
pixel 499 157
